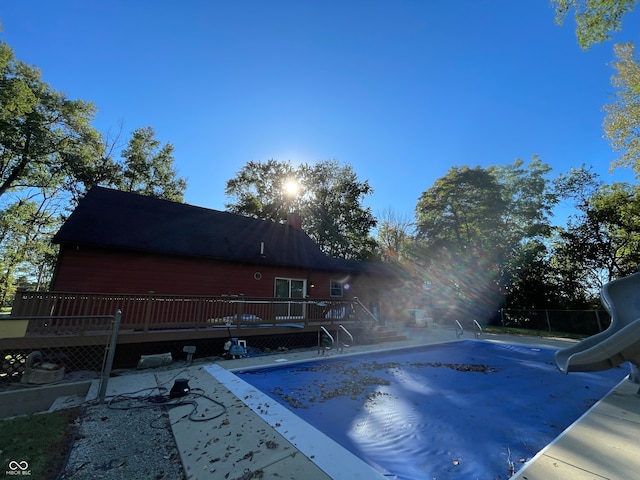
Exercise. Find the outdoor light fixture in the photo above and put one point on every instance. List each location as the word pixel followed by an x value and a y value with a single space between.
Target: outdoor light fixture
pixel 180 388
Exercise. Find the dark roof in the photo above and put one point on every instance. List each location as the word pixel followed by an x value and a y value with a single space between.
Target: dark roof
pixel 128 221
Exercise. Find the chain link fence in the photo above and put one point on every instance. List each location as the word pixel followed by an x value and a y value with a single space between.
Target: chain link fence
pixel 45 350
pixel 48 350
pixel 582 322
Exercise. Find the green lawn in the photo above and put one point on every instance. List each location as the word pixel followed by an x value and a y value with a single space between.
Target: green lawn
pixel 41 440
pixel 530 333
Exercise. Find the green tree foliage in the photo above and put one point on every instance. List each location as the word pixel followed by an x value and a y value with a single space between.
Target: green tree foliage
pixel 601 241
pixel 337 218
pixel 259 190
pixel 91 163
pixel 148 168
pixel 570 275
pixel 477 229
pixel 50 154
pixel 38 125
pixel 25 250
pixel 531 200
pixel 622 121
pixel 528 281
pixel 463 209
pixel 329 199
pixel 460 230
pixel 144 166
pixel 595 19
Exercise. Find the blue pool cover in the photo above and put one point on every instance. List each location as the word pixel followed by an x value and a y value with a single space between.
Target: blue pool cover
pixel 463 409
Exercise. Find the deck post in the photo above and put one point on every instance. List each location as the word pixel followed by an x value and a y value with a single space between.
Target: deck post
pixel 111 350
pixel 17 305
pixel 147 312
pixel 198 316
pixel 239 313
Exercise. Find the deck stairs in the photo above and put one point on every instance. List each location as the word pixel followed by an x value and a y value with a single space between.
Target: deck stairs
pixel 378 333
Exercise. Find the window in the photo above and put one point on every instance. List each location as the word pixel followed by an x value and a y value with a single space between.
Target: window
pixel 336 288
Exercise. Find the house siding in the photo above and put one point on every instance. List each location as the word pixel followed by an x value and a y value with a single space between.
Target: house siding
pixel 89 269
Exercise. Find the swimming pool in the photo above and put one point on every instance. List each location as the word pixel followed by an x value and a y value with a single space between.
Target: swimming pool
pixel 465 409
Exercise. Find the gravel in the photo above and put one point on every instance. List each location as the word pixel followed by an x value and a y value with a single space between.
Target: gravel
pixel 127 443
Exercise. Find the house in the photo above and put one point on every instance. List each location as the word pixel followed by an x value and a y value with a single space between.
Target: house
pixel 121 242
pixel 177 274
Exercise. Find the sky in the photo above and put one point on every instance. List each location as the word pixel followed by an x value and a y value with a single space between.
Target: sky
pixel 400 90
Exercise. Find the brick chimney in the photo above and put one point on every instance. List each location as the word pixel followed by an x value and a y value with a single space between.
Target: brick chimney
pixel 295 220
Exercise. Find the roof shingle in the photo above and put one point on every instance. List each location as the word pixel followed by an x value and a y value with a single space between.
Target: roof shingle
pixel 128 221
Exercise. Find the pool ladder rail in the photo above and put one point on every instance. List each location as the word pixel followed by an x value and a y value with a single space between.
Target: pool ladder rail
pixel 477 329
pixel 341 345
pixel 459 329
pixel 323 348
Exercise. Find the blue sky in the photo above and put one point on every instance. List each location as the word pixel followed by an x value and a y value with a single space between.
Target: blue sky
pixel 401 90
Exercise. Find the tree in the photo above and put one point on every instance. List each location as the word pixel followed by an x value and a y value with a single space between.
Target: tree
pixel 394 235
pixel 531 199
pixel 330 201
pixel 570 275
pixel 528 280
pixel 463 209
pixel 622 121
pixel 337 219
pixel 145 166
pixel 37 126
pixel 460 230
pixel 92 163
pixel 529 195
pixel 25 229
pixel 148 168
pixel 595 19
pixel 602 241
pixel 482 235
pixel 49 156
pixel 258 191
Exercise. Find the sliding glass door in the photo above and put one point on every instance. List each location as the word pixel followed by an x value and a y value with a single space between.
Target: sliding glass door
pixel 290 288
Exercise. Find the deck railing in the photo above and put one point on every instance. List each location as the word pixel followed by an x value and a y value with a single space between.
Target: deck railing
pixel 151 312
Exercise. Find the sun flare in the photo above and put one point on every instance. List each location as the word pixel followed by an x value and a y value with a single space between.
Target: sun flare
pixel 291 188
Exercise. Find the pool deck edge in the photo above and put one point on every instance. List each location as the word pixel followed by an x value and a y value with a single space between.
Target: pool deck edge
pixel 601 444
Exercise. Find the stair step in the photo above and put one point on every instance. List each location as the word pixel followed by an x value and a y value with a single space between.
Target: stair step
pixel 379 334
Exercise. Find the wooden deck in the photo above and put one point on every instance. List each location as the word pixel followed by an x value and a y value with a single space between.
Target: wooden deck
pixel 71 319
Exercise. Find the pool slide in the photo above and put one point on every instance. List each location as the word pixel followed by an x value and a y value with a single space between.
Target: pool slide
pixel 617 344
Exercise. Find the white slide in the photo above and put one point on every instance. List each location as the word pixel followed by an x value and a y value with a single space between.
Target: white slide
pixel 617 344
